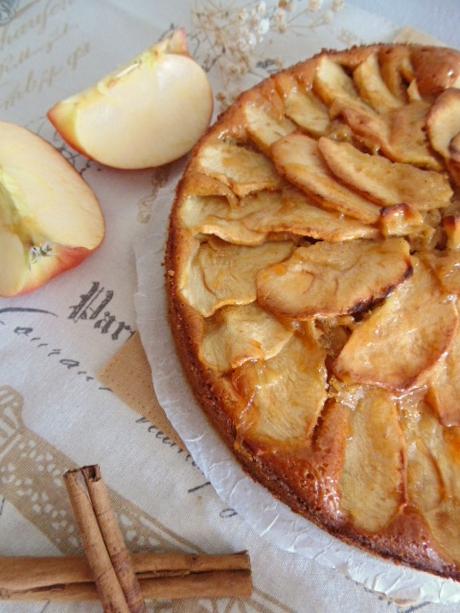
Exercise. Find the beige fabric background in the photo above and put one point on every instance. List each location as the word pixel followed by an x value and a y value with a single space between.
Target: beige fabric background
pixel 54 412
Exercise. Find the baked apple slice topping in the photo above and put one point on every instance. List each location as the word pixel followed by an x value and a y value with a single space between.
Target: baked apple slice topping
pixel 284 395
pixel 243 169
pixel 292 211
pixel 50 219
pixel 329 279
pixel 372 88
pixel 372 483
pixel 385 182
pixel 432 474
pixel 264 128
pixel 302 106
pixel 443 123
pixel 298 158
pixel 396 69
pixel 402 341
pixel 237 334
pixel 444 386
pixel 219 273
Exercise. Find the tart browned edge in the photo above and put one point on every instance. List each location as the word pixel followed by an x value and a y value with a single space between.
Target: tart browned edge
pixel 407 540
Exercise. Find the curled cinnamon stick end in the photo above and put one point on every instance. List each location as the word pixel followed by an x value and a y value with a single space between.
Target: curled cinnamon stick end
pixel 108 558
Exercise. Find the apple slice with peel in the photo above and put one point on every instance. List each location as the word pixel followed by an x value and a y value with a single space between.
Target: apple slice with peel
pixel 148 113
pixel 50 219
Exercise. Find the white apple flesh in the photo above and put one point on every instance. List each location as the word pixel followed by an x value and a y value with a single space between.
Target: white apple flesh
pixel 50 220
pixel 149 113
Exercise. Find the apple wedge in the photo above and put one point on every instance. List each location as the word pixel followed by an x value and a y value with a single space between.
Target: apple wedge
pixel 380 350
pixel 146 114
pixel 330 279
pixel 385 182
pixel 50 219
pixel 298 159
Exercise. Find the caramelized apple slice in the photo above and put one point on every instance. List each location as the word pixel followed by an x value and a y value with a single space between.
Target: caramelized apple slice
pixel 372 483
pixel 372 87
pixel 446 266
pixel 408 140
pixel 371 129
pixel 265 129
pixel 236 334
pixel 241 168
pixel 291 211
pixel 443 121
pixel 302 106
pixel 218 273
pixel 385 182
pixel 400 220
pixel 298 158
pixel 213 215
pixel 404 339
pixel 433 475
pixel 331 82
pixel 444 386
pixel 329 279
pixel 396 68
pixel 284 395
pixel 435 69
pixel 451 225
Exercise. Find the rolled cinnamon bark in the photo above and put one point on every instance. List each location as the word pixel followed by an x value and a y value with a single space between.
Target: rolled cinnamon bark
pixel 162 576
pixel 107 556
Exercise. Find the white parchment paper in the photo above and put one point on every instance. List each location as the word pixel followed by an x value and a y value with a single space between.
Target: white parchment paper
pixel 264 513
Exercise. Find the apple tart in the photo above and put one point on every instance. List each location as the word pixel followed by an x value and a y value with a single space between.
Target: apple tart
pixel 312 271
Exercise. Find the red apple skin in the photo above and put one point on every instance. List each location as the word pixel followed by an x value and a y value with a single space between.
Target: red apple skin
pixel 62 257
pixel 62 260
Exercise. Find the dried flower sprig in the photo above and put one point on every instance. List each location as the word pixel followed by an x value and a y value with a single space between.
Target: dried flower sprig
pixel 232 35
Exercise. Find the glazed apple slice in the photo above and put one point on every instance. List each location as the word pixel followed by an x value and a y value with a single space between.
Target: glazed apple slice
pixel 329 279
pixel 284 395
pixel 146 114
pixel 236 334
pixel 372 482
pixel 297 158
pixel 219 273
pixel 50 219
pixel 381 351
pixel 443 122
pixel 385 182
pixel 372 87
pixel 396 69
pixel 444 386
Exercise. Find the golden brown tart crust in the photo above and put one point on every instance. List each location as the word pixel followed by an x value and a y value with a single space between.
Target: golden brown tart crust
pixel 384 507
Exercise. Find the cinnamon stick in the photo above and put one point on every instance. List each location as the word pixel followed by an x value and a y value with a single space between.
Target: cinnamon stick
pixel 108 558
pixel 161 576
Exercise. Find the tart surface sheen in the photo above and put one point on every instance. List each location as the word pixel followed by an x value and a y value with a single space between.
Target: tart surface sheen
pixel 313 274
